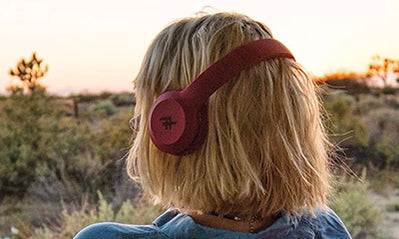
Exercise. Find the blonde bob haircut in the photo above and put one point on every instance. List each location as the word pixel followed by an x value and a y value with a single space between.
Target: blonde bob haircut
pixel 266 150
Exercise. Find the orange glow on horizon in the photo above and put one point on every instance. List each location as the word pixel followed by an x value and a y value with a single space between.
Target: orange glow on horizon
pixel 340 74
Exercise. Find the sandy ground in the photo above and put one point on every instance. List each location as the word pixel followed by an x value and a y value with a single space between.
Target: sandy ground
pixel 390 218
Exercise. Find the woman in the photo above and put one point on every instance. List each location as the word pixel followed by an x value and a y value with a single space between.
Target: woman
pixel 236 147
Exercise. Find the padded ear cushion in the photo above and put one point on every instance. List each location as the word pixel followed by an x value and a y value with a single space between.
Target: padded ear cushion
pixel 201 131
pixel 177 126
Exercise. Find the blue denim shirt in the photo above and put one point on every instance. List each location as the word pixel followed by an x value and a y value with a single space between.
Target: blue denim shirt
pixel 173 224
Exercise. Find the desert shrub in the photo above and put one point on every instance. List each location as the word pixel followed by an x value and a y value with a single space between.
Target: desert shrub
pixel 142 212
pixel 365 127
pixel 388 90
pixel 393 206
pixel 105 107
pixel 384 135
pixel 83 159
pixel 24 132
pixel 90 97
pixel 112 135
pixel 351 85
pixel 387 180
pixel 344 126
pixel 386 145
pixel 359 213
pixel 393 102
pixel 53 161
pixel 123 99
pixel 367 102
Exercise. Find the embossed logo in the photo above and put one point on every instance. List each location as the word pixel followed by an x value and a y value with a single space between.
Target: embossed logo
pixel 167 122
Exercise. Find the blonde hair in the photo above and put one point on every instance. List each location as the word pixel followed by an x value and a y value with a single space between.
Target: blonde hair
pixel 266 150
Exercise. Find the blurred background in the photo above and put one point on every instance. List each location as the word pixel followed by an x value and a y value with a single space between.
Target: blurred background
pixel 66 69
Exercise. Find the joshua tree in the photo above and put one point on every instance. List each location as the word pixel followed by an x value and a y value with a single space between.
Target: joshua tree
pixel 382 66
pixel 28 72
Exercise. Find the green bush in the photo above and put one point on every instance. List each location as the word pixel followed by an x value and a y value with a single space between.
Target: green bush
pixel 366 103
pixel 73 221
pixel 24 133
pixel 384 135
pixel 393 206
pixel 366 127
pixel 105 107
pixel 345 128
pixel 90 97
pixel 51 160
pixel 359 213
pixel 351 85
pixel 123 99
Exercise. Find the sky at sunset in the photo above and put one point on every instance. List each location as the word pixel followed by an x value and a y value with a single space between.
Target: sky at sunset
pixel 98 45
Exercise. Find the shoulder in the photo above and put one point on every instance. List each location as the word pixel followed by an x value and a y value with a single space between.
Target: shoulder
pixel 325 224
pixel 108 230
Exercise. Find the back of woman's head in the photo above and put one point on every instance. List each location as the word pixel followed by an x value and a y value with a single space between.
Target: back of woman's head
pixel 265 150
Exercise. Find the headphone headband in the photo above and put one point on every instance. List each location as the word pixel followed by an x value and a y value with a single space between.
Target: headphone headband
pixel 223 70
pixel 178 120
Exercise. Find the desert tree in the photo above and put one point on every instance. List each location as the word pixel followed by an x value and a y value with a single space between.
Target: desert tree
pixel 382 66
pixel 28 72
pixel 26 116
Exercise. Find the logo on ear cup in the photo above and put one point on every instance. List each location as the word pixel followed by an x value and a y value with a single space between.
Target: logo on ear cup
pixel 167 122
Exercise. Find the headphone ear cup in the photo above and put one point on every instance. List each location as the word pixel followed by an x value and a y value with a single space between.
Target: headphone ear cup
pixel 176 126
pixel 201 130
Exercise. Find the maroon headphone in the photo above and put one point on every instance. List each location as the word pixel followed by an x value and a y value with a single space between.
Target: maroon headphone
pixel 178 120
